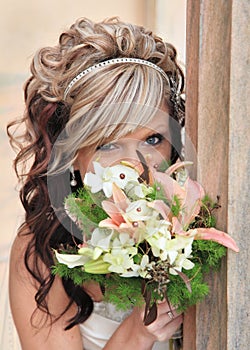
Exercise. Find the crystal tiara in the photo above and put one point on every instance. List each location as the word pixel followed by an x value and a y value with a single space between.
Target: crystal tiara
pixel 114 61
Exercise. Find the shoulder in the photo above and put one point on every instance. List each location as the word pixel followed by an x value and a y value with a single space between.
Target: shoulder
pixel 19 275
pixel 18 272
pixel 33 325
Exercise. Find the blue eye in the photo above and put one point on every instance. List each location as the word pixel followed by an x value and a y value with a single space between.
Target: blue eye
pixel 106 147
pixel 154 139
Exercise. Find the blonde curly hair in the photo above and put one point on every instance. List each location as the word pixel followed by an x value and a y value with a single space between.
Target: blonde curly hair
pixel 112 100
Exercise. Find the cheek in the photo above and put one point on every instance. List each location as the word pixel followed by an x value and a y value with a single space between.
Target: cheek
pixel 84 162
pixel 165 150
pixel 156 155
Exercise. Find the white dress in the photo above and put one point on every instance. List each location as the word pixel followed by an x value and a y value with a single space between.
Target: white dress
pixel 102 323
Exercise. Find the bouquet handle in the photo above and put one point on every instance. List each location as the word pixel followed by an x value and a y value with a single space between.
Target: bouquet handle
pixel 176 341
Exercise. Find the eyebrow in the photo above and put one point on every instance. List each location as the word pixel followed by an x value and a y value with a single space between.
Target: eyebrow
pixel 150 131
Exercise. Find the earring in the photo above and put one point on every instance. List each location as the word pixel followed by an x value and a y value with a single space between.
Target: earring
pixel 73 181
pixel 156 166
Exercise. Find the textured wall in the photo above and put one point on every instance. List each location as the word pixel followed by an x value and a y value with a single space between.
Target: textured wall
pixel 218 122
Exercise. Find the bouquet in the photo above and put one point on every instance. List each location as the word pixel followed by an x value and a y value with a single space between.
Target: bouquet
pixel 147 236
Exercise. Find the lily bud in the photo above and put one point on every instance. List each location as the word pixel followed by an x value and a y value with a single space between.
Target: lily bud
pixel 97 266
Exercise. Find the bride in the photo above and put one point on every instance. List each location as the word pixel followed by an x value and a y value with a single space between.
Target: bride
pixel 106 90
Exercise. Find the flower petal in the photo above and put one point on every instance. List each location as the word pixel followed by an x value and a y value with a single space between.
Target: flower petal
pixel 71 260
pixel 192 200
pixel 161 207
pixel 216 236
pixel 113 211
pixel 177 166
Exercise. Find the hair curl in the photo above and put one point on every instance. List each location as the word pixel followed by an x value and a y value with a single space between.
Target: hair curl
pixel 47 116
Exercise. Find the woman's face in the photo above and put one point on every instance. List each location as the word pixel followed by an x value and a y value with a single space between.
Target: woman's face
pixel 152 141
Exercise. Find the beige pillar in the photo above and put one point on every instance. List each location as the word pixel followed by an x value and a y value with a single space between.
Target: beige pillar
pixel 218 123
pixel 238 272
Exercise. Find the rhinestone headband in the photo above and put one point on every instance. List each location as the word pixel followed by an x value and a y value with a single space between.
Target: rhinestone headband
pixel 114 61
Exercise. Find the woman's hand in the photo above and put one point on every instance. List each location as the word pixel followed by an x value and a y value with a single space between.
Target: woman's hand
pixel 166 322
pixel 132 333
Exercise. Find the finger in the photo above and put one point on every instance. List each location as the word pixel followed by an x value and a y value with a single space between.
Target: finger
pixel 165 307
pixel 169 329
pixel 168 317
pixel 175 324
pixel 162 322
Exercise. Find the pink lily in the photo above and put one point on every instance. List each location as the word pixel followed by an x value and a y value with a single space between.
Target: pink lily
pixel 116 209
pixel 190 196
pixel 176 166
pixel 216 236
pixel 161 207
pixel 192 201
pixel 170 186
pixel 202 233
pixel 206 233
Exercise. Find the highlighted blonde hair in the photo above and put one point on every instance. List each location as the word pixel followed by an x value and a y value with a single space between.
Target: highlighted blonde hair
pixel 90 101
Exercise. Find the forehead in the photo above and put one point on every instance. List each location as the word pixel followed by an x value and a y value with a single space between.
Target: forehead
pixel 134 130
pixel 158 124
pixel 118 120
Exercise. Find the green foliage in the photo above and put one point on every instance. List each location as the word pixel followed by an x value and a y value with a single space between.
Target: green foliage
pixel 175 206
pixel 209 254
pixel 178 293
pixel 206 217
pixel 84 210
pixel 90 206
pixel 126 292
pixel 123 292
pixel 76 274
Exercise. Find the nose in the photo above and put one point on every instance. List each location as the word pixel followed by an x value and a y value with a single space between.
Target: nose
pixel 131 153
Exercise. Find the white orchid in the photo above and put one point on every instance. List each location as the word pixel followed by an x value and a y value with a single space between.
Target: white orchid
pixel 136 190
pixel 160 227
pixel 142 268
pixel 139 211
pixel 100 241
pixel 166 248
pixel 181 262
pixel 103 178
pixel 120 259
pixel 123 240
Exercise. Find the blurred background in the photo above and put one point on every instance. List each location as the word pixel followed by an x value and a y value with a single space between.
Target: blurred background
pixel 26 26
